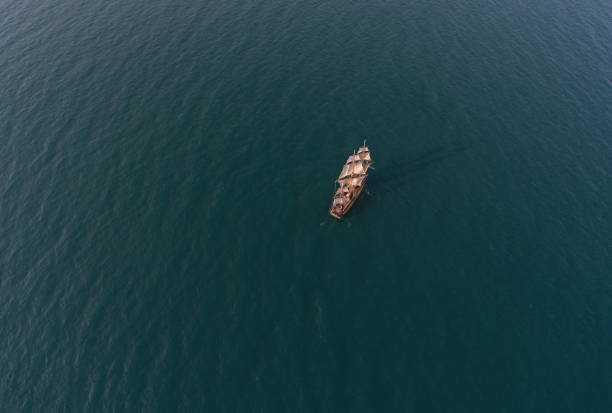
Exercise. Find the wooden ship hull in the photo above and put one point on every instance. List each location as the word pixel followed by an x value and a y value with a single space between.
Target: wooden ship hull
pixel 339 215
pixel 351 182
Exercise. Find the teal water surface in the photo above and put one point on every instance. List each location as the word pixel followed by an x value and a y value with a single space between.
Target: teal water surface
pixel 166 171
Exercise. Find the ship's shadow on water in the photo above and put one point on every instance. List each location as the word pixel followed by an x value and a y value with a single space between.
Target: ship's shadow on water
pixel 392 176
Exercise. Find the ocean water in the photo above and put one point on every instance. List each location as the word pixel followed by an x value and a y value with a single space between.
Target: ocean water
pixel 166 169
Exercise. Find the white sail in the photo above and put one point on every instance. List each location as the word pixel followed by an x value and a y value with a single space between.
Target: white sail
pixel 357 181
pixel 345 171
pixel 358 168
pixel 364 153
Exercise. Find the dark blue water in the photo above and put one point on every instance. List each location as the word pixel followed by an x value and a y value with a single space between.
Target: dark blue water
pixel 166 171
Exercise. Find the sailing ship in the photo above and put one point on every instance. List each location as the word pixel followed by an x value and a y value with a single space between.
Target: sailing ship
pixel 351 181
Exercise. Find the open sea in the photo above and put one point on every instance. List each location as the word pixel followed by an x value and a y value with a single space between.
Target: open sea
pixel 166 169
